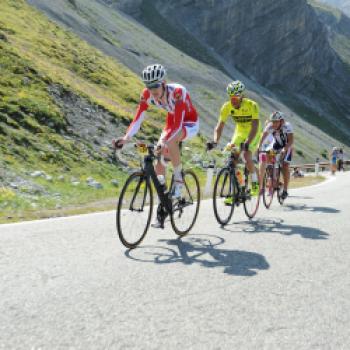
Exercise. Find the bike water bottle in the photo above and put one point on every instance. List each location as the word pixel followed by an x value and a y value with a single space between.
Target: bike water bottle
pixel 240 177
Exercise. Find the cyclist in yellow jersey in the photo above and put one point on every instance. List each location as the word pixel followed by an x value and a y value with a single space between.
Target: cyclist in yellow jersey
pixel 245 114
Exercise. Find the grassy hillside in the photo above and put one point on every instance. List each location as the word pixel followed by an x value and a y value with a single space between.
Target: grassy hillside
pixel 340 24
pixel 35 134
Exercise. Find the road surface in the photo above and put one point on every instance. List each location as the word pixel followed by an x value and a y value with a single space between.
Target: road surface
pixel 280 281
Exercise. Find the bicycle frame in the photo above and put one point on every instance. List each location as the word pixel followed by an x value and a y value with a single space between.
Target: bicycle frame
pixel 150 173
pixel 276 169
pixel 231 164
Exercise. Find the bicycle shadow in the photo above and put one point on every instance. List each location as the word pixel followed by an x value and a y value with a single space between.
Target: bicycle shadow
pixel 304 207
pixel 300 197
pixel 277 226
pixel 202 250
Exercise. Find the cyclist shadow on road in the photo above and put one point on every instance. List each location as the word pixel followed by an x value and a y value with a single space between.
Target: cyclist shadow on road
pixel 276 226
pixel 304 208
pixel 202 250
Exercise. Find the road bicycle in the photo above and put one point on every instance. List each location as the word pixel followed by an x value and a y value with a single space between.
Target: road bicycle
pixel 135 203
pixel 232 187
pixel 272 179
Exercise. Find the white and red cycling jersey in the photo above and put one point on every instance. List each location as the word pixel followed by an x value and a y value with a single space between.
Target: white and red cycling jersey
pixel 181 113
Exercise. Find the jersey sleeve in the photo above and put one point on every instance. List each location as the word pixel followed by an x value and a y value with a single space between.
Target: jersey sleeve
pixel 224 112
pixel 180 109
pixel 140 115
pixel 288 129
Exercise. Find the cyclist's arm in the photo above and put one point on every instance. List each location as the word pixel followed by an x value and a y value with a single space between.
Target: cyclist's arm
pixel 218 131
pixel 255 122
pixel 224 113
pixel 253 130
pixel 139 116
pixel 290 141
pixel 262 138
pixel 290 136
pixel 179 115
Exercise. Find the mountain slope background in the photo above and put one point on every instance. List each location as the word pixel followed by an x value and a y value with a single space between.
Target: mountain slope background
pixel 197 65
pixel 338 25
pixel 63 100
pixel 343 5
pixel 288 52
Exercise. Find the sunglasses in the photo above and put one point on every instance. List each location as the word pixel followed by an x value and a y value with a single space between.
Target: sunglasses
pixel 153 86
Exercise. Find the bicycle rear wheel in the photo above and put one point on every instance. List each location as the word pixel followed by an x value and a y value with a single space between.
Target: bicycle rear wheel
pixel 251 199
pixel 268 187
pixel 134 210
pixel 279 189
pixel 185 209
pixel 224 191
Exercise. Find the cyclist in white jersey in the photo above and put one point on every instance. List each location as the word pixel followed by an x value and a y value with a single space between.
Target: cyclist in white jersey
pixel 281 141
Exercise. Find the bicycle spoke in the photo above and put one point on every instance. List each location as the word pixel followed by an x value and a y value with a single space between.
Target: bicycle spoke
pixel 268 189
pixel 223 196
pixel 185 209
pixel 251 202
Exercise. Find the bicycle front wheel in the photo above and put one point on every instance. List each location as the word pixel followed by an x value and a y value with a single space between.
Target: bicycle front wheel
pixel 251 198
pixel 224 195
pixel 185 209
pixel 134 210
pixel 268 187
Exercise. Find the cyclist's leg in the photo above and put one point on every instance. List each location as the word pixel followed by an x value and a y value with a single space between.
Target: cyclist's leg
pixel 175 158
pixel 160 170
pixel 248 157
pixel 285 169
pixel 264 157
pixel 262 167
pixel 188 131
pixel 159 166
pixel 238 139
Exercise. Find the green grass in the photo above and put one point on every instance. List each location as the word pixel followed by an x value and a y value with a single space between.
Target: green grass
pixel 35 53
pixel 306 181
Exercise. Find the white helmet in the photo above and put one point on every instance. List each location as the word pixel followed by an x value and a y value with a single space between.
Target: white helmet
pixel 276 116
pixel 235 88
pixel 153 74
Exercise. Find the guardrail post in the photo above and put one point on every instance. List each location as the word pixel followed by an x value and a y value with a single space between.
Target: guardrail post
pixel 317 167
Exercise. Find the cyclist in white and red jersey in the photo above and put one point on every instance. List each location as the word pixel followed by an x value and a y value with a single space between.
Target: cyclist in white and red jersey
pixel 281 141
pixel 181 121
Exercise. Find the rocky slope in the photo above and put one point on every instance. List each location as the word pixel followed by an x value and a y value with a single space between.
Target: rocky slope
pixel 338 25
pixel 281 45
pixel 196 65
pixel 343 5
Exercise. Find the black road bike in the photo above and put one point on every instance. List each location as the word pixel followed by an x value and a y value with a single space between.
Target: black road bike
pixel 135 204
pixel 231 190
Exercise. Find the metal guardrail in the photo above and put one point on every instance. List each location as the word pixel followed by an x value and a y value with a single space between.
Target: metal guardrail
pixel 322 166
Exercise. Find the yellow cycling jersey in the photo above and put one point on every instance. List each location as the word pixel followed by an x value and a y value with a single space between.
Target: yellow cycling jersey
pixel 242 116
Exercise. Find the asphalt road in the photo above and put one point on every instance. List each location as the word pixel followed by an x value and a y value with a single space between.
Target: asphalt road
pixel 280 281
